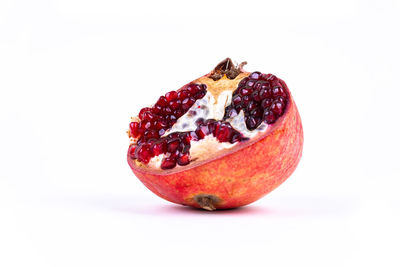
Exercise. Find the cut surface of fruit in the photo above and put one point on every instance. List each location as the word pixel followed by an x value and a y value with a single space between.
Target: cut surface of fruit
pixel 232 112
pixel 214 118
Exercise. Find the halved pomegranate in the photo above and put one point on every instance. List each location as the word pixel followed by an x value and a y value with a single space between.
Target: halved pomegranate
pixel 221 141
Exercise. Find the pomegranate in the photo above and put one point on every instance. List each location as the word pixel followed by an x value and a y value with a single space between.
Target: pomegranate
pixel 221 141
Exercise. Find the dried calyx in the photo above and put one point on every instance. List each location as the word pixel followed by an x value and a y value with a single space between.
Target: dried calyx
pixel 227 68
pixel 259 97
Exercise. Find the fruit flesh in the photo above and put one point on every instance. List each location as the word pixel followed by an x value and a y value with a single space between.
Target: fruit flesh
pixel 239 175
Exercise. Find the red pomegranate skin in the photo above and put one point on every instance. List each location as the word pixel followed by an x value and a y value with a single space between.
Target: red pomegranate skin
pixel 239 177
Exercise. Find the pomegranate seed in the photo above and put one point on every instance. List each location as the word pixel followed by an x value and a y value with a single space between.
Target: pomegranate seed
pixel 183 159
pixel 168 163
pixel 162 101
pixel 278 91
pixel 252 105
pixel 131 152
pixel 280 99
pixel 257 113
pixel 141 125
pixel 192 88
pixel 216 127
pixel 173 135
pixel 202 131
pixel 179 113
pixel 161 124
pixel 141 130
pixel 171 96
pixel 269 117
pixel 264 93
pixel 172 118
pixel 159 148
pixel 157 109
pixel 256 96
pixel 243 82
pixel 146 125
pixel 151 134
pixel 193 136
pixel 245 101
pixel 250 83
pixel 153 125
pixel 142 111
pixel 143 153
pixel 148 116
pixel 134 129
pixel 246 91
pixel 277 108
pixel 259 85
pixel 186 138
pixel 200 94
pixel 236 100
pixel 167 111
pixel 275 83
pixel 183 94
pixel 255 75
pixel 231 113
pixel 224 133
pixel 175 104
pixel 251 123
pixel 187 103
pixel 172 145
pixel 211 126
pixel 265 85
pixel 269 91
pixel 266 103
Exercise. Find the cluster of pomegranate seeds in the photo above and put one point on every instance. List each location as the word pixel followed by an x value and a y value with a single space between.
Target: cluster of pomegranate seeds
pixel 176 145
pixel 168 109
pixel 222 130
pixel 261 97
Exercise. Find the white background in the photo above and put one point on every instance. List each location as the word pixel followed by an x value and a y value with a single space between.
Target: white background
pixel 73 72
